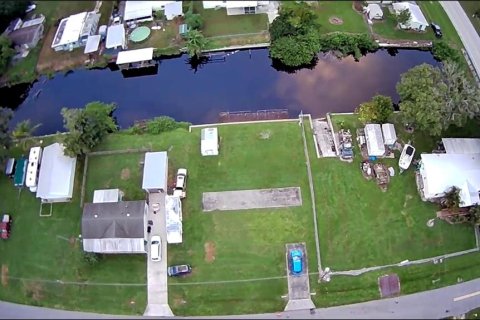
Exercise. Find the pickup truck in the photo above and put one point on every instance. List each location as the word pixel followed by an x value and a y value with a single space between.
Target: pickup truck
pixel 181 184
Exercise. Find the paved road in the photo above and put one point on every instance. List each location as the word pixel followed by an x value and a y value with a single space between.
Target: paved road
pixel 434 304
pixel 465 29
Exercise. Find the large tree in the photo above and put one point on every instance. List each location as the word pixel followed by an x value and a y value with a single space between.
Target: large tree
pixel 378 110
pixel 6 53
pixel 404 16
pixel 12 8
pixel 421 92
pixel 6 115
pixel 24 129
pixel 87 127
pixel 295 51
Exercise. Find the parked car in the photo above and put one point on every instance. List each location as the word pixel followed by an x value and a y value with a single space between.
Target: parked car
pixel 156 248
pixel 296 256
pixel 436 29
pixel 181 183
pixel 179 270
pixel 6 225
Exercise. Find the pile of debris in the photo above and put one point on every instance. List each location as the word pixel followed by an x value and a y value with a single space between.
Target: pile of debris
pixel 346 146
pixel 367 171
pixel 382 175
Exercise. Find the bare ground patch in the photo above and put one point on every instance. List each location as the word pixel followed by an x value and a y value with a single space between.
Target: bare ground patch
pixel 4 275
pixel 33 290
pixel 178 301
pixel 210 251
pixel 335 20
pixel 125 174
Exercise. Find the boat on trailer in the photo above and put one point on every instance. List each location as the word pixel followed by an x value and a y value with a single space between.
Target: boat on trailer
pixel 406 157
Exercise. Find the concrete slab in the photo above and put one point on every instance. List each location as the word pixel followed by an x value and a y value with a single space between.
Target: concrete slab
pixel 324 137
pixel 298 285
pixel 252 199
pixel 157 300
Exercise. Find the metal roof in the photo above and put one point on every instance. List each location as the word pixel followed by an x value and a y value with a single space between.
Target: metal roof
pixel 461 145
pixel 92 44
pixel 106 195
pixel 115 36
pixel 69 29
pixel 155 171
pixel 173 9
pixel 132 56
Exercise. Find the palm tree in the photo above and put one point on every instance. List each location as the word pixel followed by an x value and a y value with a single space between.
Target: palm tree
pixel 24 130
pixel 196 43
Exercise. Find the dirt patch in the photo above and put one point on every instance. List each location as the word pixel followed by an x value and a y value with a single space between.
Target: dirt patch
pixel 4 275
pixel 34 290
pixel 358 6
pixel 125 174
pixel 264 135
pixel 209 251
pixel 335 20
pixel 73 242
pixel 178 301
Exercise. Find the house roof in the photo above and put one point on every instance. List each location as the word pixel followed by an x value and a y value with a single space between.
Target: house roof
pixel 124 219
pixel 24 35
pixel 132 56
pixel 416 14
pixel 137 9
pixel 442 171
pixel 374 10
pixel 241 4
pixel 373 136
pixel 92 44
pixel 461 145
pixel 69 29
pixel 57 173
pixel 389 134
pixel 33 22
pixel 155 170
pixel 173 9
pixel 115 36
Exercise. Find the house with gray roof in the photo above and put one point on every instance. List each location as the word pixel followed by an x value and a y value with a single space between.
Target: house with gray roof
pixel 115 227
pixel 27 35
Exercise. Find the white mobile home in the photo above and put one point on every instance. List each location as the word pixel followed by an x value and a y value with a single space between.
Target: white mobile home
pixel 34 158
pixel 57 175
pixel 155 172
pixel 374 140
pixel 417 19
pixel 74 31
pixel 138 11
pixel 238 7
pixel 209 142
pixel 173 211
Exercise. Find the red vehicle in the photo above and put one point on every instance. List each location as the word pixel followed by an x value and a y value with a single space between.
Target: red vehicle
pixel 5 226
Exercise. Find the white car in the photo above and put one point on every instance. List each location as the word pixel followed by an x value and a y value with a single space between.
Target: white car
pixel 156 248
pixel 181 183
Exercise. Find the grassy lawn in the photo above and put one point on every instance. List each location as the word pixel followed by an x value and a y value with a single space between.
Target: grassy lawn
pixel 398 216
pixel 105 11
pixel 159 38
pixel 218 23
pixel 352 20
pixel 470 7
pixel 387 28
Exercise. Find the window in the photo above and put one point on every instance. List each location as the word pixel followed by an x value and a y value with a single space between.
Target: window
pixel 249 10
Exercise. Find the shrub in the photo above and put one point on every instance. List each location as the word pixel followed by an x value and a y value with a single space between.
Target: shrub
pixel 91 258
pixel 443 52
pixel 347 43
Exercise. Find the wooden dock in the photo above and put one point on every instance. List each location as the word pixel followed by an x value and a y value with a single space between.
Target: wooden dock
pixel 240 116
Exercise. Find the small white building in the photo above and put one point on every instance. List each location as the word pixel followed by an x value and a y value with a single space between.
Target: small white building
pixel 173 211
pixel 374 140
pixel 57 175
pixel 417 19
pixel 74 31
pixel 33 166
pixel 107 195
pixel 155 172
pixel 138 57
pixel 374 12
pixel 139 11
pixel 209 142
pixel 389 134
pixel 93 42
pixel 115 37
pixel 238 7
pixel 461 145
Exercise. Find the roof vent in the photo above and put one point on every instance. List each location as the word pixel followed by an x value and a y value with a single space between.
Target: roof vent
pixel 95 215
pixel 128 214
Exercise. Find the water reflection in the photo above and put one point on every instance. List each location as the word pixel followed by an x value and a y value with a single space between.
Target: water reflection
pixel 245 80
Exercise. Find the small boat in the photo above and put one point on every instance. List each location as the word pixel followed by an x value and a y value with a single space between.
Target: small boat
pixel 406 157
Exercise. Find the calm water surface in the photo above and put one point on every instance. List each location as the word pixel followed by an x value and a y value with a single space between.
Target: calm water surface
pixel 245 81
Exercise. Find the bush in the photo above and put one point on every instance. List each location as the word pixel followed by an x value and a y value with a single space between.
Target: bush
pixel 91 258
pixel 347 43
pixel 295 51
pixel 194 20
pixel 443 52
pixel 157 125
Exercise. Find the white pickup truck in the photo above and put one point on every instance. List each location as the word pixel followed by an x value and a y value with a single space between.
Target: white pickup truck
pixel 181 184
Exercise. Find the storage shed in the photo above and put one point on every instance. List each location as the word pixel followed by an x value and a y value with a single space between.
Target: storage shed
pixel 209 142
pixel 155 172
pixel 374 139
pixel 389 134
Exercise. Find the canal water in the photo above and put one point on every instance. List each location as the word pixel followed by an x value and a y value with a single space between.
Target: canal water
pixel 244 80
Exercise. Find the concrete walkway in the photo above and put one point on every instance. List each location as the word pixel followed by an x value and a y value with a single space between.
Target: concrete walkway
pixel 434 304
pixel 157 301
pixel 466 31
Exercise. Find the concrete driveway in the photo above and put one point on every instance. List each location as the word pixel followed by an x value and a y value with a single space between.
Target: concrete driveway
pixel 157 303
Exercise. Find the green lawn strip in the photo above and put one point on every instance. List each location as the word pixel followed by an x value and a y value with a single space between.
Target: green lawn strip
pixel 217 22
pixel 387 28
pixel 470 7
pixel 24 70
pixel 352 20
pixel 105 12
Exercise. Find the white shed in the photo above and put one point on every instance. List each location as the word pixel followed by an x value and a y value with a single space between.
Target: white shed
pixel 375 12
pixel 374 139
pixel 209 142
pixel 389 134
pixel 155 172
pixel 115 37
pixel 57 174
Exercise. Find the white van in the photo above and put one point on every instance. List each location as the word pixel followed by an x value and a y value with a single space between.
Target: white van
pixel 156 248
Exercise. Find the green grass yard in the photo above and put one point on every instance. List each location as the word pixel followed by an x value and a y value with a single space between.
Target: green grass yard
pixel 352 21
pixel 470 7
pixel 387 28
